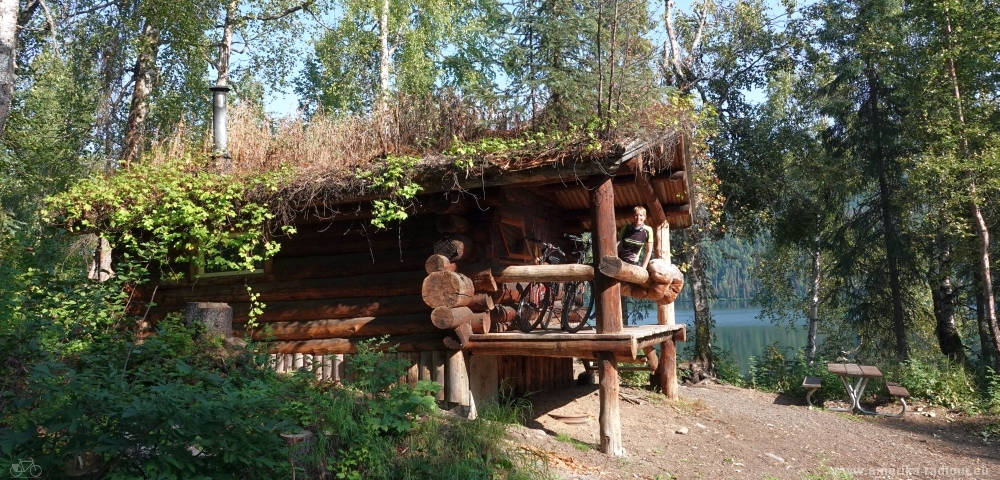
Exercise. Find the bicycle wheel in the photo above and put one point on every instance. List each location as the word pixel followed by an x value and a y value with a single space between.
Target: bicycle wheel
pixel 532 307
pixel 578 306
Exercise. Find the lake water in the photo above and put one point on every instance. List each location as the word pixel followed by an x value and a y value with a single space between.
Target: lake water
pixel 739 331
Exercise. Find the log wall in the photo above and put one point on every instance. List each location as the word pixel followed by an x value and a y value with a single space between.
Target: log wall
pixel 335 283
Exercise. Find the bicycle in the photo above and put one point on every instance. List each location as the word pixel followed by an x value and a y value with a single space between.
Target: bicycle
pixel 578 297
pixel 536 305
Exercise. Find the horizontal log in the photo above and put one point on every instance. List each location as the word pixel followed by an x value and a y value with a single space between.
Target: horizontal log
pixel 403 343
pixel 439 263
pixel 481 302
pixel 481 274
pixel 447 289
pixel 459 337
pixel 662 271
pixel 662 294
pixel 349 212
pixel 378 285
pixel 503 315
pixel 634 291
pixel 543 273
pixel 451 204
pixel 347 265
pixel 563 349
pixel 447 318
pixel 509 294
pixel 481 322
pixel 345 328
pixel 339 308
pixel 480 233
pixel 619 269
pixel 333 242
pixel 452 224
pixel 458 248
pixel 463 332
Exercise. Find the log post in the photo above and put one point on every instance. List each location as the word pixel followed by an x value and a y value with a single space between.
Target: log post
pixel 667 370
pixel 610 417
pixel 437 373
pixel 457 383
pixel 425 365
pixel 652 359
pixel 609 315
pixel 484 381
pixel 664 313
pixel 217 317
pixel 607 289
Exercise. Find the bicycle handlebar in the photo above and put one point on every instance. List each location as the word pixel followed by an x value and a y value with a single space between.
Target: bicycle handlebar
pixel 546 245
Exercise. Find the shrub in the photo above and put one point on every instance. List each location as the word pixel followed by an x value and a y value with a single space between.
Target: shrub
pixel 940 382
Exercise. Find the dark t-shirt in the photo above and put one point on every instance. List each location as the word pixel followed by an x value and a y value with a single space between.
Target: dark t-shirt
pixel 631 241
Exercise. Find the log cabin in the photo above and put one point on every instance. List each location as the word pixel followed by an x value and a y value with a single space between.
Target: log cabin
pixel 442 285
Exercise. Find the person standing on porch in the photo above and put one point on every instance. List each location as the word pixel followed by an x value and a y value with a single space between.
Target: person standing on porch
pixel 636 239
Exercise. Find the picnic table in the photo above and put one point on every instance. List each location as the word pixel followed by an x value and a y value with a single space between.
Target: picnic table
pixel 855 379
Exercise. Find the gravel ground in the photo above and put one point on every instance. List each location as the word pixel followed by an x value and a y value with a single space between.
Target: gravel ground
pixel 722 432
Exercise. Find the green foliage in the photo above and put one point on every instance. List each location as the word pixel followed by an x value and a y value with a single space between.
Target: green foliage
pixel 727 370
pixel 166 405
pixel 393 177
pixel 941 383
pixel 634 378
pixel 168 215
pixel 577 444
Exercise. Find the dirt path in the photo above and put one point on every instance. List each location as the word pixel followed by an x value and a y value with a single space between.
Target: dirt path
pixel 722 432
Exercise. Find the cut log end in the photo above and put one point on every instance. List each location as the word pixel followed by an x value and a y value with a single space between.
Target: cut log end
pixel 447 289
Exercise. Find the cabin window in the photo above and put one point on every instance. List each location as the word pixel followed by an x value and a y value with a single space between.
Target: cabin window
pixel 512 237
pixel 229 262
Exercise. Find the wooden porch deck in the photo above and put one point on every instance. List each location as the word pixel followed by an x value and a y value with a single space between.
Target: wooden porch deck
pixel 557 343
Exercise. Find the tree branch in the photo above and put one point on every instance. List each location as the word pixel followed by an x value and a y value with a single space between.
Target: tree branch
pixel 52 26
pixel 278 16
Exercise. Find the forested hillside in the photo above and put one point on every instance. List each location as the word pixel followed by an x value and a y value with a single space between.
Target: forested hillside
pixel 732 267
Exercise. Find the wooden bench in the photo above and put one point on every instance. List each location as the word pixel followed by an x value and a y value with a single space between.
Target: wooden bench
pixel 811 384
pixel 901 394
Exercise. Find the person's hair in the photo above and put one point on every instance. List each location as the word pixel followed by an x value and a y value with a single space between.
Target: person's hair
pixel 640 209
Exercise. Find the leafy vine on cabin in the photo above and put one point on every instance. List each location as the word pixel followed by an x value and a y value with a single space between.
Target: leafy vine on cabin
pixel 168 216
pixel 394 178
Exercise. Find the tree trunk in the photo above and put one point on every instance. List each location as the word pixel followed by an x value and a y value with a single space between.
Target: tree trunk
pixel 8 52
pixel 895 285
pixel 943 297
pixel 143 73
pixel 814 304
pixel 226 46
pixel 703 322
pixel 985 338
pixel 977 215
pixel 990 312
pixel 383 70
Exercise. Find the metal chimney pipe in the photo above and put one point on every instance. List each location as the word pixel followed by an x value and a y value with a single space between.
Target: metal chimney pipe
pixel 219 119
